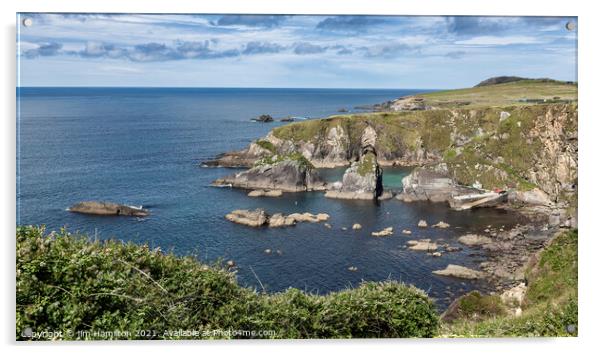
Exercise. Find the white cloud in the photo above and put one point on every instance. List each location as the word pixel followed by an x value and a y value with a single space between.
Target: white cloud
pixel 494 40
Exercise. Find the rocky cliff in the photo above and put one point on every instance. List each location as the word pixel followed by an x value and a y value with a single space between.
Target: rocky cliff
pixel 289 173
pixel 363 179
pixel 520 147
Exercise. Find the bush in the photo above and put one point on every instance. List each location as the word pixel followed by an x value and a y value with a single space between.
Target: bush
pixel 67 284
pixel 474 306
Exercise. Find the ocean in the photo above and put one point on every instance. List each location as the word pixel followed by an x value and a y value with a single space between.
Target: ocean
pixel 144 146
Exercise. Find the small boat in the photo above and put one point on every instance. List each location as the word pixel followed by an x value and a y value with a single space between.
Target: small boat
pixel 469 201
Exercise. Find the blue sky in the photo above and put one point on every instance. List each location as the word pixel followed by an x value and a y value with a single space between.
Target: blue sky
pixel 178 50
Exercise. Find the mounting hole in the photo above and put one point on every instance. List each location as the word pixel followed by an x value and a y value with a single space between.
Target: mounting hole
pixel 27 22
pixel 570 26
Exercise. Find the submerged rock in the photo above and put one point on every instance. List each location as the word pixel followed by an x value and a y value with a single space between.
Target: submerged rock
pixel 388 231
pixel 422 223
pixel 441 225
pixel 108 209
pixel 356 226
pixel 422 245
pixel 458 271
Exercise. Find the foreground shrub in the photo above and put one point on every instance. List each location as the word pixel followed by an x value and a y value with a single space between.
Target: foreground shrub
pixel 474 306
pixel 69 287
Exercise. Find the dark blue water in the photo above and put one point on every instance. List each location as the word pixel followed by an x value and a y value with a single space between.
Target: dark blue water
pixel 143 147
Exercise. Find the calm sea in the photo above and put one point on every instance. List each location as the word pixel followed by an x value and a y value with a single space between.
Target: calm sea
pixel 143 146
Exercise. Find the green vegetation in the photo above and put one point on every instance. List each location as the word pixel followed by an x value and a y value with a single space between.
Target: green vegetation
pixel 69 283
pixel 506 94
pixel 264 144
pixel 550 305
pixel 367 164
pixel 553 278
pixel 475 306
pixel 297 157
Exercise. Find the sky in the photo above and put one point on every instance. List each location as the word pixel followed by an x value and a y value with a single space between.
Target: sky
pixel 177 50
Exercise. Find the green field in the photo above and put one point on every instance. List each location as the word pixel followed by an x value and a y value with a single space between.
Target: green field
pixel 501 95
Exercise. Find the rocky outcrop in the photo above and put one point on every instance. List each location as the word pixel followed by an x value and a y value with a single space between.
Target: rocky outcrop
pixel 407 103
pixel 284 173
pixel 258 217
pixel 517 148
pixel 531 197
pixel 280 220
pixel 265 193
pixel 264 118
pixel 253 218
pixel 363 179
pixel 474 240
pixel 555 169
pixel 422 245
pixel 458 271
pixel 430 183
pixel 242 158
pixel 107 209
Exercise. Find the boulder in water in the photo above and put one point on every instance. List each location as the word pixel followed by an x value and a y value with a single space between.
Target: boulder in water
pixel 106 208
pixel 422 245
pixel 458 271
pixel 253 218
pixel 388 231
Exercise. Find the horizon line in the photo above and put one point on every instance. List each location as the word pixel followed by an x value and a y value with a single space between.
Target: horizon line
pixel 244 87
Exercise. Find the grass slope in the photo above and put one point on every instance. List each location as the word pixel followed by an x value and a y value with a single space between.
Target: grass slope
pixel 500 95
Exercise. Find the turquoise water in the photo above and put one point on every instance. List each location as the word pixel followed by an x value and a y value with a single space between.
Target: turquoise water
pixel 144 147
pixel 391 175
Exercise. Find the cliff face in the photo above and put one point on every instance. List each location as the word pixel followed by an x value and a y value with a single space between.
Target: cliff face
pixel 363 179
pixel 517 147
pixel 528 147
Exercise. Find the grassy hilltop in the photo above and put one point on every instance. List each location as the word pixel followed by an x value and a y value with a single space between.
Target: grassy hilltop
pixel 504 94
